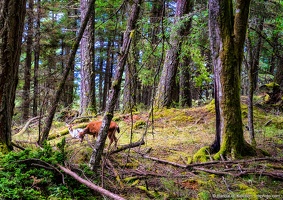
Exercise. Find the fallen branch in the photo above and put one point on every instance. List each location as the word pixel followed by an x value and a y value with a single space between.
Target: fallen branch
pixel 276 175
pixel 26 126
pixel 128 146
pixel 235 162
pixel 211 171
pixel 164 161
pixel 90 184
pixel 18 146
pixel 146 174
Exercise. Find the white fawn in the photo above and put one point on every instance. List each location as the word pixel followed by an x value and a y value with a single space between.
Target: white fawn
pixel 74 132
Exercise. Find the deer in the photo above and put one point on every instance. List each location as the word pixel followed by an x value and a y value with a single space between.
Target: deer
pixel 93 128
pixel 74 132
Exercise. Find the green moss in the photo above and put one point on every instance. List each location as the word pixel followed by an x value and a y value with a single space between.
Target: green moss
pixel 4 148
pixel 182 118
pixel 272 85
pixel 115 83
pixel 139 124
pixel 201 155
pixel 211 106
pixel 153 193
pixel 248 192
pixel 204 195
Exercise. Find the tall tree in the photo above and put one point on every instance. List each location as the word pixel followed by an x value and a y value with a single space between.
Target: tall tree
pixel 116 85
pixel 27 70
pixel 253 66
pixel 131 78
pixel 155 58
pixel 71 60
pixel 87 97
pixel 12 15
pixel 227 36
pixel 185 82
pixel 164 95
pixel 36 59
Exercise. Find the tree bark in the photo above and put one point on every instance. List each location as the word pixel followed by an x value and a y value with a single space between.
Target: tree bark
pixel 12 15
pixel 108 74
pixel 27 70
pixel 87 97
pixel 116 86
pixel 253 63
pixel 36 60
pixel 185 83
pixel 131 79
pixel 164 95
pixel 227 36
pixel 49 119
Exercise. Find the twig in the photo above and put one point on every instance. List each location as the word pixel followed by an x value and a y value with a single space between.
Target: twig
pixel 19 147
pixel 38 162
pixel 225 182
pixel 213 171
pixel 164 161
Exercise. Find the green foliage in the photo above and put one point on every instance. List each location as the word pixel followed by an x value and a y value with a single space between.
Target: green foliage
pixel 32 174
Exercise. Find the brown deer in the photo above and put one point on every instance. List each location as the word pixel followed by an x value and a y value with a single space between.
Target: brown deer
pixel 93 128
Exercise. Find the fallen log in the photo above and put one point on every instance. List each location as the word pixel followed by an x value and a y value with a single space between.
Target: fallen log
pixel 92 186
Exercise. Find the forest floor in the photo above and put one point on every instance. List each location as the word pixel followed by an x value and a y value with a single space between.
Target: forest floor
pixel 162 168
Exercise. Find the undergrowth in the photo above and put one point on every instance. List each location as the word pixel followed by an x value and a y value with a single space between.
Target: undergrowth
pixel 32 174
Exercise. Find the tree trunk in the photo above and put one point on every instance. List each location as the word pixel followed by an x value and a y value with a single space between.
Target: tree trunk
pixel 131 79
pixel 49 119
pixel 167 79
pixel 227 36
pixel 87 97
pixel 185 83
pixel 36 60
pixel 116 86
pixel 279 73
pixel 108 74
pixel 157 14
pixel 27 74
pixel 253 63
pixel 12 15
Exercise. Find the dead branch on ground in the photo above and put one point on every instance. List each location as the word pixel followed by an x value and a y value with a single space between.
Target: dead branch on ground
pixel 128 146
pixel 89 184
pixel 26 126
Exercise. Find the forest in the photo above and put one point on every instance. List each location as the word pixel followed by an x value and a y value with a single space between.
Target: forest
pixel 140 99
